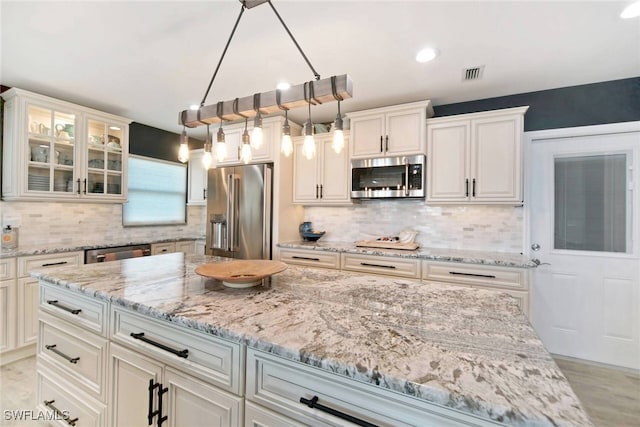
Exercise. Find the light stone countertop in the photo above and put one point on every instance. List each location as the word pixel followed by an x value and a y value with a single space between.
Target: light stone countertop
pixel 503 259
pixel 468 349
pixel 57 249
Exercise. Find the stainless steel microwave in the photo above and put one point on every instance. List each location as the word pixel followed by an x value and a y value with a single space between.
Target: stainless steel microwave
pixel 388 177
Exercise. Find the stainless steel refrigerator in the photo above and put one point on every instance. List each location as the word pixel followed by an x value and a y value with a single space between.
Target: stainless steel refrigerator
pixel 239 210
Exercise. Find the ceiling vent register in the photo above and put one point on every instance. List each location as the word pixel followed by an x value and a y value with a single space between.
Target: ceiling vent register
pixel 473 73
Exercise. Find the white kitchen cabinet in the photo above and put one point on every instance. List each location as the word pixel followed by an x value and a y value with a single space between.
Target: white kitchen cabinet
pixel 55 150
pixel 279 384
pixel 197 189
pixel 389 131
pixel 185 400
pixel 476 158
pixel 325 178
pixel 389 266
pixel 185 246
pixel 271 136
pixel 511 280
pixel 8 304
pixel 310 258
pixel 19 292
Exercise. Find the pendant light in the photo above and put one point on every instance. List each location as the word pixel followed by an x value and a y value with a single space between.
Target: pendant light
pixel 286 145
pixel 256 134
pixel 183 152
pixel 309 144
pixel 245 154
pixel 338 134
pixel 221 146
pixel 206 157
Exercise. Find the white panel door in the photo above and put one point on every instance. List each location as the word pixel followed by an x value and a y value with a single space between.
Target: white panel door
pixel 448 162
pixel 367 134
pixel 405 132
pixel 584 229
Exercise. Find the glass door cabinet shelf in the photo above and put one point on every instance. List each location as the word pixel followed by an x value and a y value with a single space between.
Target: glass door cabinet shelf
pixel 57 150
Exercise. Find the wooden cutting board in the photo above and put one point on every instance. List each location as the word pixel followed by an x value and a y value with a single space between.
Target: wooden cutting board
pixel 387 245
pixel 242 273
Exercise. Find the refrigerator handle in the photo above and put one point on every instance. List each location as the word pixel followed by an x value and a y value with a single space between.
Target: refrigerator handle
pixel 268 210
pixel 231 223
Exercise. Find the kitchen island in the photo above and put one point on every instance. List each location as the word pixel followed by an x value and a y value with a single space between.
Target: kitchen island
pixel 466 351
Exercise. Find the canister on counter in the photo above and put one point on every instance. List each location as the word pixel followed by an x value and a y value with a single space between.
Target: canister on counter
pixel 9 237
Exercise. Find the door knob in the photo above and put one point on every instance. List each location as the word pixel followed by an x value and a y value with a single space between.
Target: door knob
pixel 535 247
pixel 537 262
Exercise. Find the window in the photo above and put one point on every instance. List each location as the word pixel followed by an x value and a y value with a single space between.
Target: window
pixel 592 211
pixel 157 192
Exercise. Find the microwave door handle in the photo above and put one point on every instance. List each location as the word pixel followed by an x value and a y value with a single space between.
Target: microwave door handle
pixel 406 178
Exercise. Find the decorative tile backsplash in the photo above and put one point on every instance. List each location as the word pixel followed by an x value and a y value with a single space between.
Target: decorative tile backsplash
pixel 78 224
pixel 487 228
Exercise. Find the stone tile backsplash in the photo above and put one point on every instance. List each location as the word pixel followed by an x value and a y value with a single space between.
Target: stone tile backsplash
pixel 487 228
pixel 77 224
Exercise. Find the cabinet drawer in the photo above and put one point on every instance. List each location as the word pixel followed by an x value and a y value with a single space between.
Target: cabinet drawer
pixel 311 258
pixel 64 405
pixel 389 266
pixel 188 247
pixel 209 358
pixel 163 248
pixel 42 262
pixel 78 309
pixel 79 354
pixel 278 384
pixel 257 416
pixel 7 268
pixel 499 277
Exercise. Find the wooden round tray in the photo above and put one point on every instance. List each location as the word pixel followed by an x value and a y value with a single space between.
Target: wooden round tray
pixel 242 273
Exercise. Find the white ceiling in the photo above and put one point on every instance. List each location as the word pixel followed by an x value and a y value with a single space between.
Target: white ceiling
pixel 149 60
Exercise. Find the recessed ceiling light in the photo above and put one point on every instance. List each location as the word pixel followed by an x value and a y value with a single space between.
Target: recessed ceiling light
pixel 426 55
pixel 194 107
pixel 283 85
pixel 631 11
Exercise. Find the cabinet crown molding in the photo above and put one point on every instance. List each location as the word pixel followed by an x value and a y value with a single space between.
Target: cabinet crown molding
pixel 426 104
pixel 478 115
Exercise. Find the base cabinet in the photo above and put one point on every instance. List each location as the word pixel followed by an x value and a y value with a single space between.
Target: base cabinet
pixel 145 391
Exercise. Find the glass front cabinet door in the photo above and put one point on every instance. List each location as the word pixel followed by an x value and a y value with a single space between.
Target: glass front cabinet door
pixel 57 150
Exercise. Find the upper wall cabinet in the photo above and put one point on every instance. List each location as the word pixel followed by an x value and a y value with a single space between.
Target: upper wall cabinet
pixel 390 131
pixel 476 158
pixel 268 151
pixel 55 150
pixel 324 179
pixel 197 189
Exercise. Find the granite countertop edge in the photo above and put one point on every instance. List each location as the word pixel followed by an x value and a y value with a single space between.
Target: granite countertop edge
pixel 44 250
pixel 503 259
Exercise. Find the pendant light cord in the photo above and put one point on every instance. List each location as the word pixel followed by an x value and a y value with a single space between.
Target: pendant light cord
pixel 315 73
pixel 224 52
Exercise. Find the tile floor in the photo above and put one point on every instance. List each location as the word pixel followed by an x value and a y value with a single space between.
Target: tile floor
pixel 611 397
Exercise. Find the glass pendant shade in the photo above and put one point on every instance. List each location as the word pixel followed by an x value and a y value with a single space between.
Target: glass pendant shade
pixel 256 137
pixel 338 140
pixel 245 153
pixel 287 145
pixel 221 146
pixel 183 152
pixel 207 159
pixel 309 144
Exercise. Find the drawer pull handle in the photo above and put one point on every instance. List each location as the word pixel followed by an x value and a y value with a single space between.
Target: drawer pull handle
pixel 64 415
pixel 313 403
pixel 55 303
pixel 55 263
pixel 151 413
pixel 180 353
pixel 305 258
pixel 53 348
pixel 368 264
pixel 457 273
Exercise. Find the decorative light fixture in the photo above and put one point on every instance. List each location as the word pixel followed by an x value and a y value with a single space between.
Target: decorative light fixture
pixel 245 155
pixel 427 54
pixel 309 144
pixel 206 157
pixel 183 152
pixel 286 145
pixel 256 135
pixel 244 108
pixel 221 145
pixel 338 134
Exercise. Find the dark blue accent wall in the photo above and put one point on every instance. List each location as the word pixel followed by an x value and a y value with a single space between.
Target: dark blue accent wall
pixel 157 143
pixel 592 104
